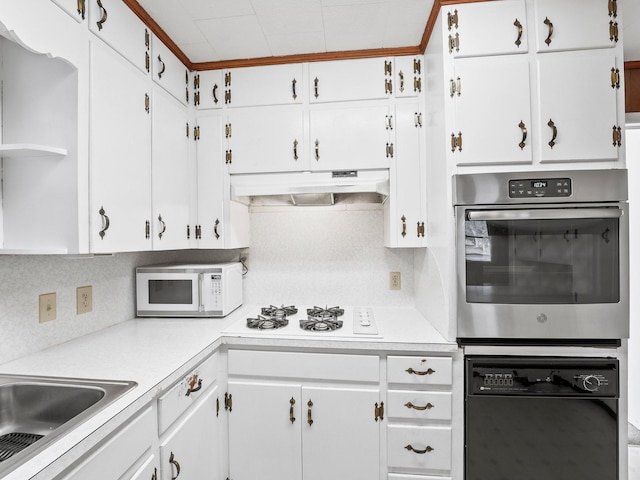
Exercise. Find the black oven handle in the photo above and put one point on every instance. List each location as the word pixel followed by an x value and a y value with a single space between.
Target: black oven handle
pixel 544 214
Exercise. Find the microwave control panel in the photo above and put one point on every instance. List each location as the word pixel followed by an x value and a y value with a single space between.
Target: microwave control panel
pixel 216 291
pixel 542 187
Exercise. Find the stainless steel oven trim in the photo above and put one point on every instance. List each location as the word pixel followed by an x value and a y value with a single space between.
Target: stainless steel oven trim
pixel 545 214
pixel 544 321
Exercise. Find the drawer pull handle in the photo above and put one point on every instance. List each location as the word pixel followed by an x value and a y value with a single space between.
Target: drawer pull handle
pixel 518 25
pixel 548 23
pixel 193 387
pixel 103 18
pixel 105 223
pixel 428 406
pixel 427 449
pixel 309 419
pixel 292 402
pixel 429 371
pixel 173 461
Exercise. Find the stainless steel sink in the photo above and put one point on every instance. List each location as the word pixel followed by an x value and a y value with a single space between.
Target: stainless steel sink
pixel 36 410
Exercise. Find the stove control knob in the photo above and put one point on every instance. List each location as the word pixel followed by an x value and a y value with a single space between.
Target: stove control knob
pixel 591 383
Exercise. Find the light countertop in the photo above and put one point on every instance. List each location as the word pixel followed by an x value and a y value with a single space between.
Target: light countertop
pixel 157 352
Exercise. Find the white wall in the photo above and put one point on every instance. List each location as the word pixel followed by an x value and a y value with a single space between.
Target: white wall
pixel 633 160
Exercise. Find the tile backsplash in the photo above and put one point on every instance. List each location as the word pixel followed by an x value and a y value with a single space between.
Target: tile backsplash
pixel 297 255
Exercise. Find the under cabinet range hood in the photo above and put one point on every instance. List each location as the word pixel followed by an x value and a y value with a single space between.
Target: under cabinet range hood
pixel 311 188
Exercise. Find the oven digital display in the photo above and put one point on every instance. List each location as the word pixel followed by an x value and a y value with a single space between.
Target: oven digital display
pixel 498 380
pixel 540 187
pixel 539 184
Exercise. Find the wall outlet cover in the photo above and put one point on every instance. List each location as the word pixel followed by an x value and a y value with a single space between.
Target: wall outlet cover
pixel 395 281
pixel 47 307
pixel 84 299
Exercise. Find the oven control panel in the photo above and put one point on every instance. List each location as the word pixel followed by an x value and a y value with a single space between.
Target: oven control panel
pixel 541 187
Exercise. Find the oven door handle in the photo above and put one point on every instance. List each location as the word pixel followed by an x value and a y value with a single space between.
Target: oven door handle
pixel 544 214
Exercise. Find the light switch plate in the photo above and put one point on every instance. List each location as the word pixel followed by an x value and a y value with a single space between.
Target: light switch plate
pixel 47 307
pixel 84 299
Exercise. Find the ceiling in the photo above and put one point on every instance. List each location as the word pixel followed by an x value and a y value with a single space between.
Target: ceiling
pixel 226 30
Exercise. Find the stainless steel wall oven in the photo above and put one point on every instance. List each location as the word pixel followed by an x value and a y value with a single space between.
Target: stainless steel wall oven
pixel 542 255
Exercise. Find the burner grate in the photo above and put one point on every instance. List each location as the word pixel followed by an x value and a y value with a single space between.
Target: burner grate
pixel 13 443
pixel 281 311
pixel 322 319
pixel 262 322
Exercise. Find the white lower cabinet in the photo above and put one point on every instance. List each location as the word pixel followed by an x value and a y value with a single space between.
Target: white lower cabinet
pixel 118 454
pixel 302 423
pixel 419 412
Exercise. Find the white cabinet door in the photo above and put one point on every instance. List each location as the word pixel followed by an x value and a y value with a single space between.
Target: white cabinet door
pixel 492 111
pixel 271 85
pixel 192 449
pixel 208 89
pixel 222 223
pixel 169 71
pixel 347 80
pixel 147 471
pixel 406 206
pixel 340 436
pixel 264 431
pixel 171 173
pixel 120 153
pixel 578 106
pixel 350 138
pixel 573 25
pixel 120 28
pixel 481 29
pixel 266 140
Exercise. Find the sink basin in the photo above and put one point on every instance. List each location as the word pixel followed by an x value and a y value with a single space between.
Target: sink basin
pixel 36 410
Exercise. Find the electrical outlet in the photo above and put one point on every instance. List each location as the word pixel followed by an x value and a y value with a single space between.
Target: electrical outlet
pixel 394 281
pixel 84 299
pixel 47 307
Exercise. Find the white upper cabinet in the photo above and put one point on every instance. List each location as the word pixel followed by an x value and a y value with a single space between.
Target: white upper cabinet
pixel 120 154
pixel 578 107
pixel 120 28
pixel 479 29
pixel 346 80
pixel 257 86
pixel 171 173
pixel 491 121
pixel 575 24
pixel 208 89
pixel 265 140
pixel 169 72
pixel 352 137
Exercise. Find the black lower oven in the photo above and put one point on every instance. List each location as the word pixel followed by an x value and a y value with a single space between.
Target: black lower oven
pixel 532 418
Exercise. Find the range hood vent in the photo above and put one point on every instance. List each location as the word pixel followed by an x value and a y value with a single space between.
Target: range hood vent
pixel 311 188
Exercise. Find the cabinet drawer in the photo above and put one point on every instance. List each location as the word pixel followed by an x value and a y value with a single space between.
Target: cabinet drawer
pixel 419 405
pixel 119 453
pixel 318 366
pixel 401 476
pixel 419 370
pixel 419 447
pixel 175 401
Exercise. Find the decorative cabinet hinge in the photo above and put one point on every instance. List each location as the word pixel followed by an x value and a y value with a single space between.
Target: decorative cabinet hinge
pixel 228 157
pixel 390 150
pixel 196 132
pixel 147 61
pixel 417 119
pixel 417 84
pixel 615 77
pixel 388 122
pixel 196 99
pixel 227 96
pixel 456 142
pixel 613 8
pixel 217 406
pixel 147 38
pixel 188 232
pixel 452 19
pixel 454 43
pixel 228 401
pixel 147 103
pixel 227 130
pixel 147 229
pixel 420 230
pixel 196 81
pixel 82 8
pixel 379 411
pixel 187 130
pixel 617 136
pixel 388 85
pixel 417 66
pixel 388 68
pixel 613 31
pixel 455 87
pixel 198 232
pixel 227 79
pixel 186 94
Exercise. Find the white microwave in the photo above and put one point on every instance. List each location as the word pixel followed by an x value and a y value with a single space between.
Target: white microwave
pixel 188 290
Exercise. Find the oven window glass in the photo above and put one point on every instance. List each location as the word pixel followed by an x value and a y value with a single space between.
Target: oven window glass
pixel 555 261
pixel 170 292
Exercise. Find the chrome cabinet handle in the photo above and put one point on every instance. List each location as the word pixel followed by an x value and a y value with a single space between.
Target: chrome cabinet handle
pixel 427 449
pixel 174 462
pixel 428 371
pixel 164 227
pixel 518 25
pixel 309 419
pixel 554 133
pixel 292 402
pixel 105 223
pixel 293 89
pixel 410 405
pixel 215 229
pixel 548 23
pixel 194 387
pixel 162 65
pixel 104 15
pixel 523 127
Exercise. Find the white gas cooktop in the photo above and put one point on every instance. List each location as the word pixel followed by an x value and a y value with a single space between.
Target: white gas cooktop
pixel 354 322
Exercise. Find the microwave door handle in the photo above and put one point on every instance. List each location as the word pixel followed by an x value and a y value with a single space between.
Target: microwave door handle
pixel 200 296
pixel 544 214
